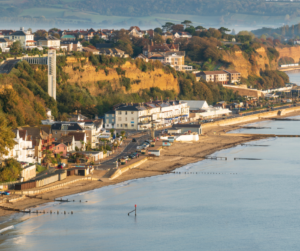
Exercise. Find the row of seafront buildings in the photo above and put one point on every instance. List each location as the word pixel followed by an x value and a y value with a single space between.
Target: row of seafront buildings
pixel 159 113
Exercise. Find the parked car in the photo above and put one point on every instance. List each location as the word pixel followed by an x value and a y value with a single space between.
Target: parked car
pixel 132 156
pixel 133 140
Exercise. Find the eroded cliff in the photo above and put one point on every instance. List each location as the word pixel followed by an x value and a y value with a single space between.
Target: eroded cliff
pixel 88 76
pixel 250 65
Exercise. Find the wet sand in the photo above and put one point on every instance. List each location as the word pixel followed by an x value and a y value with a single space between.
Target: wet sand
pixel 177 155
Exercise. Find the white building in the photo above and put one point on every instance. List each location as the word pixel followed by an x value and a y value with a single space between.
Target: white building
pixel 23 150
pixel 199 109
pixel 142 116
pixel 48 42
pixel 26 38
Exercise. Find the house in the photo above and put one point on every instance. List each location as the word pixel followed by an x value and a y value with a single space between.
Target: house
pixel 23 150
pixel 297 41
pixel 114 52
pixel 135 31
pixel 93 51
pixel 60 148
pixel 167 35
pixel 182 34
pixel 41 138
pixel 142 56
pixel 77 117
pixel 68 141
pixel 26 38
pixel 80 139
pixel 234 76
pixel 3 44
pixel 71 45
pixel 48 42
pixel 109 118
pixel 92 155
pixel 60 129
pixel 68 37
pixel 168 54
pixel 214 76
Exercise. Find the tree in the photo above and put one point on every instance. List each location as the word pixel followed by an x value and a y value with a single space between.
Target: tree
pixel 6 137
pixel 11 171
pixel 187 23
pixel 123 133
pixel 190 29
pixel 223 30
pixel 169 41
pixel 158 30
pixel 158 39
pixel 16 47
pixel 168 26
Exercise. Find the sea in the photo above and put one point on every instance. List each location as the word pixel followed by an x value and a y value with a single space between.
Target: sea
pixel 294 76
pixel 234 204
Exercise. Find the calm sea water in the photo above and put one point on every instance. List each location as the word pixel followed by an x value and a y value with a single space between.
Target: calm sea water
pixel 229 205
pixel 294 76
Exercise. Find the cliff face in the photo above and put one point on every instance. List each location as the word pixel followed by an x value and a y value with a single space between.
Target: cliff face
pixel 89 77
pixel 251 66
pixel 291 52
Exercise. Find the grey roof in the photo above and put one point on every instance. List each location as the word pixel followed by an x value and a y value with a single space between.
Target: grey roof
pixel 130 108
pixel 2 40
pixel 68 139
pixel 19 33
pixel 49 38
pixel 110 112
pixel 72 126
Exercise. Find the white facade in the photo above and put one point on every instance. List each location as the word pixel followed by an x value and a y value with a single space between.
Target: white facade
pixel 26 38
pixel 23 150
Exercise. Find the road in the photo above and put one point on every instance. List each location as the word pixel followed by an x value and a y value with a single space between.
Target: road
pixel 130 148
pixel 8 66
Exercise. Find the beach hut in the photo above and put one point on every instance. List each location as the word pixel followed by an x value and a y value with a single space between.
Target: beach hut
pixel 171 139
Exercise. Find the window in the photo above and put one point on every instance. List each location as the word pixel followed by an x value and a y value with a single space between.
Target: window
pixel 125 125
pixel 132 125
pixel 112 120
pixel 119 112
pixel 55 132
pixel 131 112
pixel 125 119
pixel 117 125
pixel 107 115
pixel 126 113
pixel 113 115
pixel 132 119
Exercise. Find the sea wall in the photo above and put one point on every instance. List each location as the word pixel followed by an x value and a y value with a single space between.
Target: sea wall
pixel 245 91
pixel 251 118
pixel 127 167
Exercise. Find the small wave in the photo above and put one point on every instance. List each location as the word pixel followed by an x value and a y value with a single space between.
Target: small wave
pixel 6 228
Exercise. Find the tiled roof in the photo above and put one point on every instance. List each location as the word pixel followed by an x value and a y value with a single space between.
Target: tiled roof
pixel 68 139
pixel 77 135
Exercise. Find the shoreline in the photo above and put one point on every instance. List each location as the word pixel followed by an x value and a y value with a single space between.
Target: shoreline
pixel 176 156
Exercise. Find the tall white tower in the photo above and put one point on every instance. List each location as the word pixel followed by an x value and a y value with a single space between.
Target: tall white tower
pixel 52 73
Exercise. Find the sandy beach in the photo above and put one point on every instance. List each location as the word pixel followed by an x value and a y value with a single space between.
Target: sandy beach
pixel 177 155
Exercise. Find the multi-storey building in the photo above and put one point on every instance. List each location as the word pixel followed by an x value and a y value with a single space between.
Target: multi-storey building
pixel 48 42
pixel 222 77
pixel 26 38
pixel 142 116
